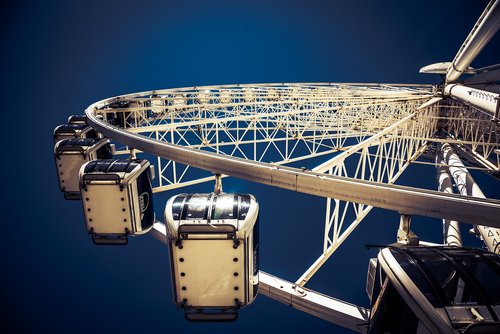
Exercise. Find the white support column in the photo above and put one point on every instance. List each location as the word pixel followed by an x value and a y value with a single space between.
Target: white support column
pixel 484 29
pixel 486 101
pixel 468 187
pixel 405 235
pixel 451 230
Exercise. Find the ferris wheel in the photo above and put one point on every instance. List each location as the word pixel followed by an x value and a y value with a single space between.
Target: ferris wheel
pixel 348 143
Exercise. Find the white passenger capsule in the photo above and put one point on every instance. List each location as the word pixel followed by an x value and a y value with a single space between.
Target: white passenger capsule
pixel 77 119
pixel 71 154
pixel 203 97
pixel 214 242
pixel 116 113
pixel 249 95
pixel 73 130
pixel 179 101
pixel 158 104
pixel 225 96
pixel 419 289
pixel 117 199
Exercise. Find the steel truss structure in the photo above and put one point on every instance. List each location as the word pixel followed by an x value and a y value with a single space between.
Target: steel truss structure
pixel 278 124
pixel 346 142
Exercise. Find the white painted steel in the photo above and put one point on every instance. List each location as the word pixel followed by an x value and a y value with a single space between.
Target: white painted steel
pixel 378 168
pixel 471 156
pixel 487 77
pixel 481 99
pixel 367 135
pixel 451 229
pixel 159 232
pixel 392 197
pixel 468 187
pixel 472 128
pixel 283 120
pixel 429 103
pixel 253 131
pixel 330 309
pixel 436 68
pixel 484 29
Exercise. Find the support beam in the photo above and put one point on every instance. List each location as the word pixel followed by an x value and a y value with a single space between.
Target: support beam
pixel 330 309
pixel 451 230
pixel 405 235
pixel 468 187
pixel 476 159
pixel 339 159
pixel 334 222
pixel 183 184
pixel 159 232
pixel 481 99
pixel 484 29
pixel 488 77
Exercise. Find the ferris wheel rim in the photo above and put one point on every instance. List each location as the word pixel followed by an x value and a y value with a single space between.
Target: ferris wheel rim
pixel 293 178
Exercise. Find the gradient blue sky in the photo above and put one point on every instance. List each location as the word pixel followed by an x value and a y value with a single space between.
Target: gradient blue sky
pixel 60 56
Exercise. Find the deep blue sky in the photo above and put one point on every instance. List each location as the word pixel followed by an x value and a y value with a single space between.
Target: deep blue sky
pixel 60 56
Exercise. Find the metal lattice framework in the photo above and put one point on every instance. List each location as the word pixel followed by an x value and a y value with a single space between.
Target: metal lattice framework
pixel 473 130
pixel 360 131
pixel 346 142
pixel 278 124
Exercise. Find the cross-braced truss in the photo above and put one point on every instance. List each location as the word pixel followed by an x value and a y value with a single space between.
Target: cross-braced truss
pixel 365 132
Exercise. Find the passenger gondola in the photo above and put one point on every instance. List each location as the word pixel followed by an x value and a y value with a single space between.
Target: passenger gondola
pixel 71 154
pixel 74 130
pixel 117 199
pixel 434 290
pixel 126 113
pixel 77 119
pixel 213 240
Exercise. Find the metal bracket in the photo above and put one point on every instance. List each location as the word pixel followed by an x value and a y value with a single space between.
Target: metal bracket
pixel 218 184
pixel 405 234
